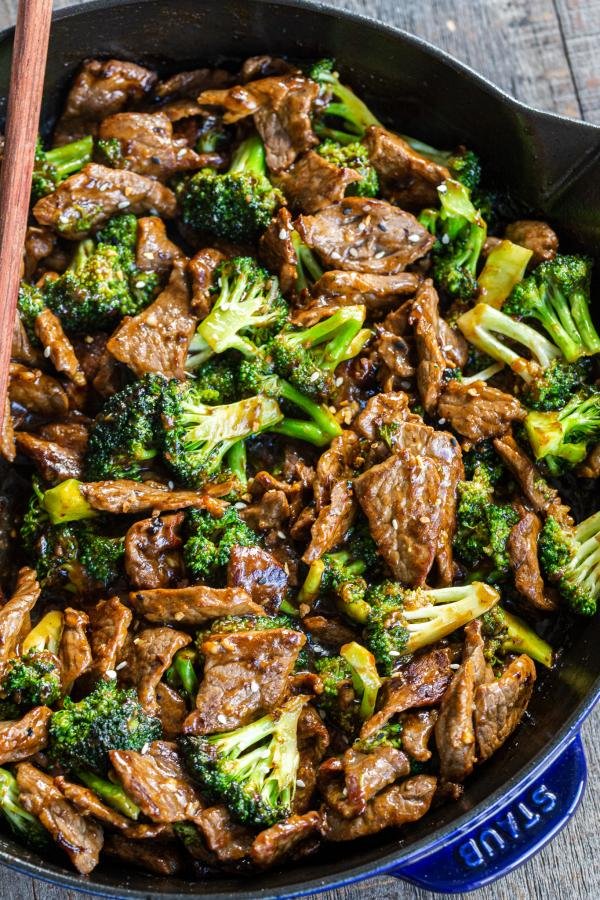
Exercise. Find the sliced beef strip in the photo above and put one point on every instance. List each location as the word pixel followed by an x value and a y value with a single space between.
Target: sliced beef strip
pixel 259 573
pixel 478 411
pixel 365 235
pixel 245 676
pixel 284 840
pixel 8 447
pixel 500 704
pixel 313 741
pixel 147 144
pixel 193 606
pixel 172 710
pixel 88 803
pixel 421 682
pixel 332 632
pixel 201 268
pixel 544 499
pixel 72 434
pixel 313 182
pixel 453 345
pixel 126 497
pixel 226 841
pixel 332 522
pixel 79 836
pixel 536 236
pixel 37 392
pixel 398 497
pixel 154 252
pixel 277 251
pixel 382 411
pixel 53 461
pixel 148 656
pixel 417 728
pixel 50 334
pixel 86 200
pixel 74 652
pixel 158 338
pixel 263 66
pixel 21 738
pixel 523 558
pixel 272 511
pixel 157 857
pixel 156 781
pixel 100 89
pixel 153 552
pixel 109 623
pixel 39 244
pixel 406 176
pixel 396 805
pixel 377 292
pixel 424 317
pixel 337 463
pixel 349 782
pixel 14 614
pixel 189 84
pixel 22 351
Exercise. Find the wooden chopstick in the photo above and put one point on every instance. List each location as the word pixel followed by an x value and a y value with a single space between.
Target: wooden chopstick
pixel 30 50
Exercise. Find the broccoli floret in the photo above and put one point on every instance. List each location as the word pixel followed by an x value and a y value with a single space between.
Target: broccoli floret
pixel 562 437
pixel 308 357
pixel 53 166
pixel 465 167
pixel 555 386
pixel 181 674
pixel 350 686
pixel 344 117
pixel 460 234
pixel 126 436
pixel 388 736
pixel 483 459
pixel 82 734
pixel 504 268
pixel 110 152
pixel 402 621
pixel 571 559
pixel 215 379
pixel 352 156
pixel 557 295
pixel 308 267
pixel 30 680
pixel 237 204
pixel 210 541
pixel 30 304
pixel 506 633
pixel 109 792
pixel 248 308
pixel 252 769
pixel 23 824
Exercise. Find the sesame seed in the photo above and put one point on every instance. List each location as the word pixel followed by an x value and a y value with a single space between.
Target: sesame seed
pixel 239 505
pixel 221 719
pixel 145 748
pixel 139 285
pixel 442 189
pixel 382 226
pixel 254 687
pixel 121 665
pixel 149 255
pixel 314 376
pixel 47 352
pixel 123 204
pixel 395 524
pixel 110 673
pixel 394 653
pixel 300 783
pixel 414 238
pixel 441 421
pixel 339 381
pixel 281 535
pixel 380 254
pixel 445 239
pixel 170 485
pixel 454 666
pixel 283 234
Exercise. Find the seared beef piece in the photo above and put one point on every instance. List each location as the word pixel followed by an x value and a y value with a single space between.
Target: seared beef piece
pixel 453 345
pixel 375 291
pixel 22 350
pixel 337 463
pixel 72 434
pixel 101 88
pixel 289 839
pixel 126 497
pixel 14 614
pixel 281 106
pixel 201 268
pixel 363 775
pixel 8 447
pixel 399 498
pixel 313 182
pixel 417 728
pixel 421 682
pixel 313 741
pixel 245 676
pixel 382 411
pixel 157 339
pixel 88 803
pixel 544 499
pixel 39 244
pixel 538 237
pixel 478 411
pixel 86 200
pixel 79 836
pixel 263 66
pixel 332 632
pixel 148 656
pixel 37 392
pixel 259 573
pixel 226 841
pixel 406 176
pixel 393 349
pixel 154 252
pixel 500 704
pixel 158 783
pixel 424 317
pixel 74 652
pixel 153 556
pixel 394 806
pixel 172 710
pixel 58 347
pixel 53 461
pixel 147 145
pixel 523 557
pixel 109 622
pixel 155 856
pixel 364 235
pixel 194 605
pixel 332 522
pixel 590 468
pixel 190 84
pixel 90 350
pixel 20 738
pixel 272 511
pixel 277 252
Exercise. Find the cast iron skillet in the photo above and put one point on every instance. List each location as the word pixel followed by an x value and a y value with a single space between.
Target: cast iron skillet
pixel 527 791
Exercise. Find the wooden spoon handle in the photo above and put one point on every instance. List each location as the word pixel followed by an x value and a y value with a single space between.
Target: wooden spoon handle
pixel 30 50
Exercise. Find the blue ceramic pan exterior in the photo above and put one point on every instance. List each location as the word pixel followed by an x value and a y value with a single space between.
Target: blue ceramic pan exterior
pixel 528 791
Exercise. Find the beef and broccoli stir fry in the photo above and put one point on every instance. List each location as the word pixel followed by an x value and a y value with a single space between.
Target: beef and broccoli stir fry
pixel 292 403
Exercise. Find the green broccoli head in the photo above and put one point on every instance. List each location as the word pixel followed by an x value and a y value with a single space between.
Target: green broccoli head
pixel 82 734
pixel 386 633
pixel 236 205
pixel 343 117
pixel 25 827
pixel 352 156
pixel 562 437
pixel 126 436
pixel 388 736
pixel 483 526
pixel 571 559
pixel 210 541
pixel 50 167
pixel 350 686
pixel 30 304
pixel 506 633
pixel 216 379
pixel 31 680
pixel 252 769
pixel 555 386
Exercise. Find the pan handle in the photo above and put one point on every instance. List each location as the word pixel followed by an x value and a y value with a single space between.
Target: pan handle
pixel 507 834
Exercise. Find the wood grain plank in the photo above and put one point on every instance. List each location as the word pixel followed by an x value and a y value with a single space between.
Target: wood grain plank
pixel 580 23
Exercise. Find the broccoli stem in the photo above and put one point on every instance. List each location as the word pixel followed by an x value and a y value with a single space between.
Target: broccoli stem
pixel 309 591
pixel 364 676
pixel 22 823
pixel 46 635
pixel 324 426
pixel 66 503
pixel 249 157
pixel 504 267
pixel 184 667
pixel 521 638
pixel 308 268
pixel 580 310
pixel 237 462
pixel 112 794
pixel 71 157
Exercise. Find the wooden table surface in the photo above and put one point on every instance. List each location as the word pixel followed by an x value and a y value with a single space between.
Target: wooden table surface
pixel 546 53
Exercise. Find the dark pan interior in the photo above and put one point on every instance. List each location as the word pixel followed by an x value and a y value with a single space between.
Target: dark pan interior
pixel 552 165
